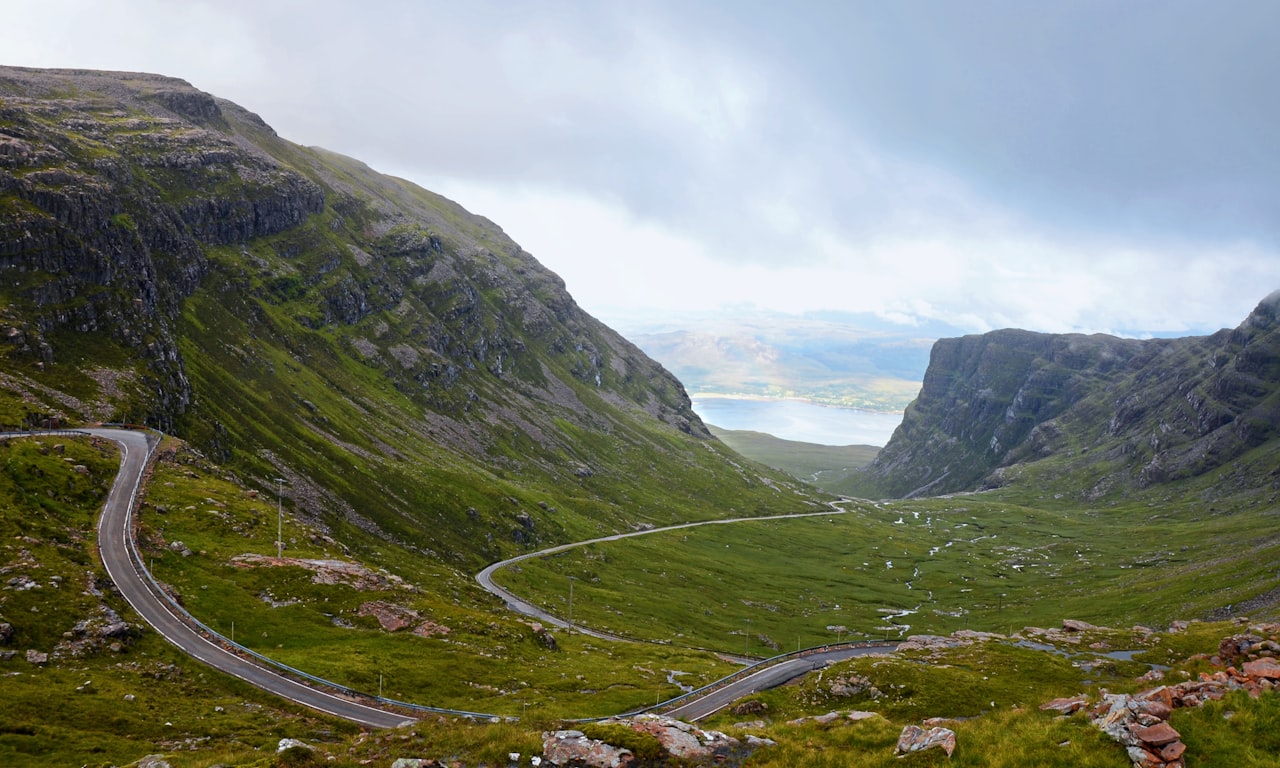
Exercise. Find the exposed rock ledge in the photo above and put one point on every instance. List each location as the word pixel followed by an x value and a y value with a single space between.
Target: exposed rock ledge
pixel 351 574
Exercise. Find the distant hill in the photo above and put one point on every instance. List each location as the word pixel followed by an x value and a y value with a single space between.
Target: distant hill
pixel 854 361
pixel 1099 414
pixel 826 466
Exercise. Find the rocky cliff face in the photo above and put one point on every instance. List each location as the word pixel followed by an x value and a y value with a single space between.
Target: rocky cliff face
pixel 1133 412
pixel 114 185
pixel 110 186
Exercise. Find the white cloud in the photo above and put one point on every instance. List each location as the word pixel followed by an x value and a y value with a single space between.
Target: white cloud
pixel 617 265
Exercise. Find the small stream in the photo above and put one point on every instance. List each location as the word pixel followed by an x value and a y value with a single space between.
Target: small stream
pixel 1091 659
pixel 672 674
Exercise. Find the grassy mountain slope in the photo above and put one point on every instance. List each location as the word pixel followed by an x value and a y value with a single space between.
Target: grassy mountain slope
pixel 411 374
pixel 825 466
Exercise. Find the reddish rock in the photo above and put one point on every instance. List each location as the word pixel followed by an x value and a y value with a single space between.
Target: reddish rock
pixel 1231 648
pixel 1161 697
pixel 1144 758
pixel 1156 735
pixel 1265 667
pixel 574 748
pixel 1172 751
pixel 430 629
pixel 328 571
pixel 390 616
pixel 684 741
pixel 1157 708
pixel 750 707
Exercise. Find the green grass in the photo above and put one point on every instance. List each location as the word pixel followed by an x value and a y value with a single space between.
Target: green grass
pixel 825 466
pixel 989 694
pixel 969 562
pixel 115 703
pixel 490 660
pixel 495 663
pixel 1007 739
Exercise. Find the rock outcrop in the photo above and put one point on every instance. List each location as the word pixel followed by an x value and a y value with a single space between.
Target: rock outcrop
pixel 917 739
pixel 1162 409
pixel 680 742
pixel 329 571
pixel 573 748
pixel 1139 721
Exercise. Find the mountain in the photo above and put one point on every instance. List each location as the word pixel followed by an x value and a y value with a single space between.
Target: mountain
pixel 1102 414
pixel 407 372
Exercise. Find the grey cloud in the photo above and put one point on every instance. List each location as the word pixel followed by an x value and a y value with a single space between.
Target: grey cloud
pixel 765 130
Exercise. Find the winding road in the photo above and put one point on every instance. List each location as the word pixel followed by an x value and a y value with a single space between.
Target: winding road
pixel 714 697
pixel 515 603
pixel 124 566
pixel 768 677
pixel 119 556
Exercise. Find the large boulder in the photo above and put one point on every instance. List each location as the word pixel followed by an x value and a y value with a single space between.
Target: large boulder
pixel 685 741
pixel 681 742
pixel 391 617
pixel 916 739
pixel 1265 668
pixel 853 685
pixel 574 748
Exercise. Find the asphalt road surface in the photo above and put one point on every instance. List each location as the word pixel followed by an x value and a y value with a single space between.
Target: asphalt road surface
pixel 769 677
pixel 714 701
pixel 116 547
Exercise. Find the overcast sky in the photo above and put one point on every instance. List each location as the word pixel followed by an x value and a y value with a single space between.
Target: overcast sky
pixel 1057 166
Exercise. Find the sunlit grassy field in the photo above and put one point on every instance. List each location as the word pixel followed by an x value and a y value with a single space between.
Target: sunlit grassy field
pixel 888 570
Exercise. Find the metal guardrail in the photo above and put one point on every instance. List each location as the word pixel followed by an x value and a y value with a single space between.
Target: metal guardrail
pixel 747 671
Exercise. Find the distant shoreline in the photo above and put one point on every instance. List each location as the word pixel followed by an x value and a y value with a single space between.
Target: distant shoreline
pixel 807 401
